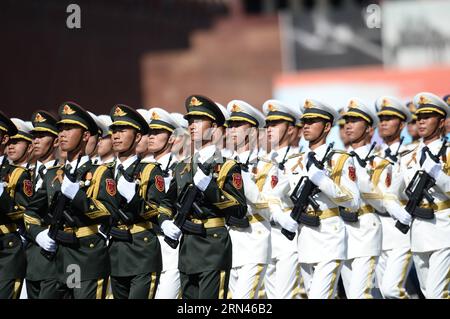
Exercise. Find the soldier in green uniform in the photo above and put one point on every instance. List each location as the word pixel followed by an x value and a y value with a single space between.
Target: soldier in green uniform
pixel 16 190
pixel 41 278
pixel 82 261
pixel 134 250
pixel 205 251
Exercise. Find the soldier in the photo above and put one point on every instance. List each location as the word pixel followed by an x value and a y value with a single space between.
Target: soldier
pixel 41 275
pixel 430 240
pixel 161 139
pixel 341 122
pixel 142 148
pixel 412 124
pixel 15 191
pixel 282 278
pixel 220 136
pixel 20 147
pixel 447 121
pixel 105 151
pixel 134 248
pixel 86 193
pixel 395 260
pixel 92 144
pixel 206 252
pixel 363 226
pixel 250 236
pixel 182 145
pixel 322 239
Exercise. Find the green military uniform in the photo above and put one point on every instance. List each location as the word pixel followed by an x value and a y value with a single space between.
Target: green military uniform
pixel 41 273
pixel 205 259
pixel 135 251
pixel 17 191
pixel 91 207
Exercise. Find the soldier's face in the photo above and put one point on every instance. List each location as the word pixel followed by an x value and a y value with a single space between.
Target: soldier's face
pixel 91 145
pixel 389 126
pixel 313 128
pixel 413 130
pixel 343 135
pixel 201 128
pixel 104 146
pixel 430 124
pixel 157 140
pixel 355 128
pixel 239 132
pixel 42 142
pixel 142 146
pixel 16 149
pixel 70 137
pixel 279 132
pixel 123 138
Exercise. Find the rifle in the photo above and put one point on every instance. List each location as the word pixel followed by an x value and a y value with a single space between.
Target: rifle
pixel 418 190
pixel 184 206
pixel 58 215
pixel 303 196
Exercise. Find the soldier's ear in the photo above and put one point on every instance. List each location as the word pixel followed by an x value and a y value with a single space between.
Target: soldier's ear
pixel 172 139
pixel 138 137
pixel 86 135
pixel 327 127
pixel 5 139
pixel 56 142
pixel 402 125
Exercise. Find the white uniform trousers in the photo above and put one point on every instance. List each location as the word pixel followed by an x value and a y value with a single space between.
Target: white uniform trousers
pixel 392 272
pixel 358 277
pixel 246 281
pixel 169 280
pixel 321 278
pixel 433 271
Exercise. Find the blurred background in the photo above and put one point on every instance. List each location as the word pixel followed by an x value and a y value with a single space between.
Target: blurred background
pixel 148 53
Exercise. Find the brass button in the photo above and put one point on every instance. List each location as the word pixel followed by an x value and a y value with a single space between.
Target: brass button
pixel 91 207
pixel 215 235
pixel 146 207
pixel 91 245
pixel 16 207
pixel 374 224
pixel 119 223
pixel 146 239
pixel 222 197
pixel 28 226
pixel 10 244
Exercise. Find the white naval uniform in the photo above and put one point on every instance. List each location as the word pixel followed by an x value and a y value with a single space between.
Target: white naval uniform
pixel 430 239
pixel 363 240
pixel 282 280
pixel 169 280
pixel 395 260
pixel 251 245
pixel 322 249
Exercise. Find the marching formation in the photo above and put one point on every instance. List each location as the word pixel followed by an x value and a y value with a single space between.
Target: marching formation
pixel 222 202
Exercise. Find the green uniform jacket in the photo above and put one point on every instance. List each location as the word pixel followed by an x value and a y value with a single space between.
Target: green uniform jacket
pixel 13 201
pixel 223 196
pixel 143 254
pixel 92 205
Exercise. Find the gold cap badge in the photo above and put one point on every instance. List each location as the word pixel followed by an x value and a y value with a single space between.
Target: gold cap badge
pixel 119 112
pixel 39 118
pixel 195 102
pixel 67 110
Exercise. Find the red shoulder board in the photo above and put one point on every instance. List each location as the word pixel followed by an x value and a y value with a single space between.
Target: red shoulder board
pixel 111 187
pixel 352 173
pixel 274 181
pixel 237 180
pixel 159 183
pixel 28 187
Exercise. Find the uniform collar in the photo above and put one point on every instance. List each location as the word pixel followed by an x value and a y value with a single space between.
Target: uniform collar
pixel 244 156
pixel 278 155
pixel 433 146
pixel 164 160
pixel 84 159
pixel 206 153
pixel 127 163
pixel 361 151
pixel 320 151
pixel 227 153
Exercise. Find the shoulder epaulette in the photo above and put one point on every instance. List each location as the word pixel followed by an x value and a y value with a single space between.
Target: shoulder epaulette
pixel 295 155
pixel 109 165
pixel 55 167
pixel 265 159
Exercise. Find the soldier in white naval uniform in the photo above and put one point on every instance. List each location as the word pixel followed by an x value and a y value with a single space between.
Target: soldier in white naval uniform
pixel 395 260
pixel 430 238
pixel 251 242
pixel 161 138
pixel 322 249
pixel 282 280
pixel 363 226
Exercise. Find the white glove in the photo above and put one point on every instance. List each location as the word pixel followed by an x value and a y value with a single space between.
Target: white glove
pixel 201 180
pixel 69 189
pixel 2 188
pixel 126 189
pixel 284 219
pixel 316 176
pixel 431 167
pixel 43 240
pixel 167 182
pixel 401 215
pixel 170 230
